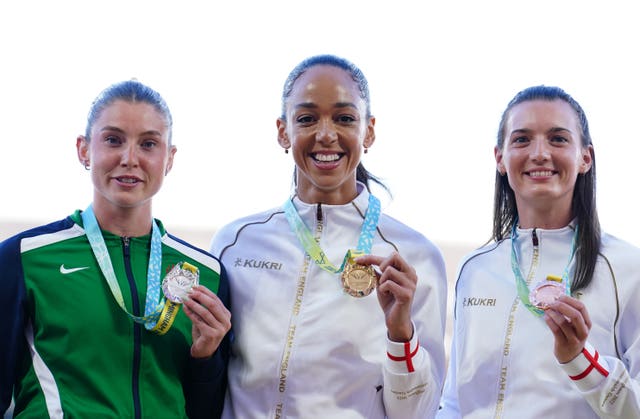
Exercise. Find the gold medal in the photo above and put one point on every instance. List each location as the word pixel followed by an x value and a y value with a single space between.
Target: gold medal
pixel 179 281
pixel 358 280
pixel 546 292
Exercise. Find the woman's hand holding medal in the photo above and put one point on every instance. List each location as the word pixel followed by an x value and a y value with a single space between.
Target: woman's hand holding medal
pixel 210 318
pixel 396 287
pixel 569 322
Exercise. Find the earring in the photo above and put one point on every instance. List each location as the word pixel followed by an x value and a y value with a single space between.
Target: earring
pixel 86 165
pixel 366 150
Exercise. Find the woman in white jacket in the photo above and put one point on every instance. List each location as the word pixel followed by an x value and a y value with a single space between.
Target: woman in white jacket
pixel 547 322
pixel 320 333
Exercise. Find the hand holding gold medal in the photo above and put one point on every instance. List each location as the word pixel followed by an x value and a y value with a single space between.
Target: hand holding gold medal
pixel 396 282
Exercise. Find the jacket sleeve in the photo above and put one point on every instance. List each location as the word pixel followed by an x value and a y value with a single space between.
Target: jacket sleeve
pixel 414 371
pixel 611 385
pixel 206 381
pixel 12 298
pixel 605 383
pixel 449 404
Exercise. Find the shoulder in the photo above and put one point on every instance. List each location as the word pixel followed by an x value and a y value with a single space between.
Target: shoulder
pixel 619 253
pixel 247 226
pixel 484 255
pixel 194 253
pixel 614 244
pixel 259 218
pixel 41 235
pixel 12 251
pixel 407 240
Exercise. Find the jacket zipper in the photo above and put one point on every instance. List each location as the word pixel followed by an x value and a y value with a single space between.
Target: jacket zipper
pixel 137 330
pixel 511 323
pixel 320 223
pixel 279 410
pixel 535 256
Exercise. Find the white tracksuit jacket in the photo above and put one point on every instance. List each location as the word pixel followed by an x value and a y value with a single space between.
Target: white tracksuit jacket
pixel 305 349
pixel 502 363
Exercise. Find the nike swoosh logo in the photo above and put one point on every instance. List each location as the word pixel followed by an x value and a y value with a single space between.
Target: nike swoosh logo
pixel 65 271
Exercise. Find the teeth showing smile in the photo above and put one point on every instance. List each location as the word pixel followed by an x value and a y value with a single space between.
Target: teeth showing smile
pixel 326 157
pixel 541 173
pixel 127 180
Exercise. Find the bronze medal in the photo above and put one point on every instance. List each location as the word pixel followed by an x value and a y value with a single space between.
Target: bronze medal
pixel 179 281
pixel 545 293
pixel 358 280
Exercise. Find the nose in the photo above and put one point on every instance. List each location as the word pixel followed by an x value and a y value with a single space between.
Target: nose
pixel 326 132
pixel 129 156
pixel 540 150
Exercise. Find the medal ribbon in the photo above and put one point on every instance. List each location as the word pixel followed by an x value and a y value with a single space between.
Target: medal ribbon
pixel 310 245
pixel 523 288
pixel 153 304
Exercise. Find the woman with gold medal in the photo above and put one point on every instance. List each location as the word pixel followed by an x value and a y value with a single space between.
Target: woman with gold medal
pixel 338 309
pixel 105 314
pixel 561 336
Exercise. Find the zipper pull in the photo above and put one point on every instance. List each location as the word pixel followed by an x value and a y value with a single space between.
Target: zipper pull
pixel 534 237
pixel 319 212
pixel 125 243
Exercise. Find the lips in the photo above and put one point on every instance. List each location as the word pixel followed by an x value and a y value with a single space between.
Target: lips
pixel 541 173
pixel 129 180
pixel 326 157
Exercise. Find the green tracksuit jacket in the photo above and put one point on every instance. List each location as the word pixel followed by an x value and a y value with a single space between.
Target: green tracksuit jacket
pixel 69 350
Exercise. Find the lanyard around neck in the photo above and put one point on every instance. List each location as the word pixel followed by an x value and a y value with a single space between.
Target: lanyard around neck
pixel 153 303
pixel 522 286
pixel 310 245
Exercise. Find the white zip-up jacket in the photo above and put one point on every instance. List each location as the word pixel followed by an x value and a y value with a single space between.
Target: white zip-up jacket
pixel 302 347
pixel 502 363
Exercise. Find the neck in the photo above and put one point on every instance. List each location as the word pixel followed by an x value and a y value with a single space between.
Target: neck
pixel 313 194
pixel 328 199
pixel 548 218
pixel 124 222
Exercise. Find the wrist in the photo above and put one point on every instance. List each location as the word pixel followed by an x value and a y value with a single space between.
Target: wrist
pixel 403 335
pixel 400 332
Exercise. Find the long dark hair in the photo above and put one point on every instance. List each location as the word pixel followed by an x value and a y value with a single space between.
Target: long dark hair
pixel 362 174
pixel 583 206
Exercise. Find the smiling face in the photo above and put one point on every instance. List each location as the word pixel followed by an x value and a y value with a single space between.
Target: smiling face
pixel 129 155
pixel 326 128
pixel 542 156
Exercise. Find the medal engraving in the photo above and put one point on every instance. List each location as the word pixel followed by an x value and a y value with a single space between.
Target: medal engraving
pixel 545 293
pixel 358 280
pixel 178 282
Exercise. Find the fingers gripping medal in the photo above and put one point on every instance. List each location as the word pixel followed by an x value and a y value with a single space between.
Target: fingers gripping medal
pixel 358 280
pixel 179 281
pixel 176 286
pixel 546 292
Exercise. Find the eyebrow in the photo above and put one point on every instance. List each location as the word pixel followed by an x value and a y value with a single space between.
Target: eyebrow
pixel 558 129
pixel 552 130
pixel 121 131
pixel 310 105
